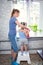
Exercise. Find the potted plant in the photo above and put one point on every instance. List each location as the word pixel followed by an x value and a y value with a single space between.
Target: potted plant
pixel 34 27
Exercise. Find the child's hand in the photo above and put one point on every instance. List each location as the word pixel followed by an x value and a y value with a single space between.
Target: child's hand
pixel 27 32
pixel 27 29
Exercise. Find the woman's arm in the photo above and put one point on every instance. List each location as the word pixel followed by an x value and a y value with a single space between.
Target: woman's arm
pixel 20 25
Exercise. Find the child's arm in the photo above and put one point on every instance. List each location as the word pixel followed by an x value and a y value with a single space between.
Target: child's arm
pixel 26 32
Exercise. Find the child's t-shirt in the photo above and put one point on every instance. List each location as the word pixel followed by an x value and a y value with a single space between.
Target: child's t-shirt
pixel 22 35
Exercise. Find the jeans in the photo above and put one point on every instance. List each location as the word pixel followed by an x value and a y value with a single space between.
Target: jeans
pixel 13 43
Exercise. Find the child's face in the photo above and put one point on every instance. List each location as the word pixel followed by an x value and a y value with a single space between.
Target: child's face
pixel 16 14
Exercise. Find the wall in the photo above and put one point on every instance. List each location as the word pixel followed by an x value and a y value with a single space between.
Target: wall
pixel 5 9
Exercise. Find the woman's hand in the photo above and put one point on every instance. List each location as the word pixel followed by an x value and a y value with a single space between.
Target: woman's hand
pixel 20 25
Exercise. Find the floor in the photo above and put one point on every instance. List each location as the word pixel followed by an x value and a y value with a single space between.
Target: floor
pixel 35 60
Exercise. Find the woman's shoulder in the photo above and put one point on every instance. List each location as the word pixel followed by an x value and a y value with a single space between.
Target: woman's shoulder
pixel 13 19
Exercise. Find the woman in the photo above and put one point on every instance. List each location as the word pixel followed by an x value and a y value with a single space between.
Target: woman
pixel 12 32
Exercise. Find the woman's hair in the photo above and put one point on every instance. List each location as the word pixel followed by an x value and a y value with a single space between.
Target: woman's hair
pixel 13 11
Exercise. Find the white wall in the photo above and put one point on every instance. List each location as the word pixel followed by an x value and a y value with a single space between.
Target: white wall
pixel 5 9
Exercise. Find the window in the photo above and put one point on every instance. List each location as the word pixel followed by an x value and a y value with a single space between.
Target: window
pixel 22 6
pixel 34 12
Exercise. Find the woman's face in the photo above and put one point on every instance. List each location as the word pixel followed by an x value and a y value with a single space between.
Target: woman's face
pixel 16 14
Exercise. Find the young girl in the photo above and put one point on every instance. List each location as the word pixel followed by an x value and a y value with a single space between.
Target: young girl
pixel 12 32
pixel 23 35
